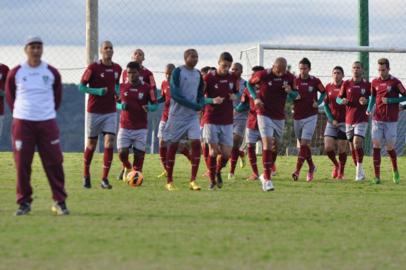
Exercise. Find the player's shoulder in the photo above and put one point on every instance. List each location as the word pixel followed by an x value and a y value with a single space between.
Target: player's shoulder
pixel 53 69
pixel 4 68
pixel 14 70
pixel 116 66
pixel 145 86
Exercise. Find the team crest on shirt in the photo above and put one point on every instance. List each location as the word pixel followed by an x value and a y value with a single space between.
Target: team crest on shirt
pixel 310 89
pixel 363 91
pixel 270 83
pixel 140 95
pixel 231 85
pixel 388 88
pixel 116 75
pixel 102 75
pixel 45 78
pixel 125 94
pixel 141 78
pixel 216 86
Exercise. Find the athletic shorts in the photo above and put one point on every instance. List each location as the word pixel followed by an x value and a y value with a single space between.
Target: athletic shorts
pixel 218 134
pixel 239 127
pixel 384 131
pixel 161 131
pixel 175 130
pixel 304 128
pixel 270 127
pixel 252 136
pixel 136 138
pixel 101 124
pixel 337 133
pixel 1 124
pixel 359 129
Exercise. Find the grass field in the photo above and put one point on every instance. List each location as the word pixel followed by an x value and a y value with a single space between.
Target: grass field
pixel 319 225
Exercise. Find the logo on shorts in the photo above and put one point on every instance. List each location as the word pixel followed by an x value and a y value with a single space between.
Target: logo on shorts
pixel 231 85
pixel 45 78
pixel 363 91
pixel 310 89
pixel 18 145
pixel 140 95
pixel 55 141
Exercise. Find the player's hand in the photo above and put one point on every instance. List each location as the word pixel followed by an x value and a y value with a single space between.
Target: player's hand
pixel 385 100
pixel 344 101
pixel 335 123
pixel 298 97
pixel 368 113
pixel 315 105
pixel 103 91
pixel 218 100
pixel 258 104
pixel 145 107
pixel 233 97
pixel 287 88
pixel 363 101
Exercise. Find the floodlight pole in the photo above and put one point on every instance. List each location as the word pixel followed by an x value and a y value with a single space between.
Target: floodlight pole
pixel 363 34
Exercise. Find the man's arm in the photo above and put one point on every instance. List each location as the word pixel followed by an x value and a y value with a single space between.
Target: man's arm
pixel 57 87
pixel 10 88
pixel 175 92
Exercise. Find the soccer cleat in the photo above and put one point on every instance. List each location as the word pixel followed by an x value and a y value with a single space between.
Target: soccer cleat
pixel 310 174
pixel 104 184
pixel 212 186
pixel 335 172
pixel 219 180
pixel 86 182
pixel 262 179
pixel 231 176
pixel 253 177
pixel 170 186
pixel 268 186
pixel 273 169
pixel 340 177
pixel 60 209
pixel 242 161
pixel 376 181
pixel 359 173
pixel 125 173
pixel 163 174
pixel 24 209
pixel 295 175
pixel 396 177
pixel 194 186
pixel 120 176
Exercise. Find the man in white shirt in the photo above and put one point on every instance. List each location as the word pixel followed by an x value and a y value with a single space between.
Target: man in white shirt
pixel 34 93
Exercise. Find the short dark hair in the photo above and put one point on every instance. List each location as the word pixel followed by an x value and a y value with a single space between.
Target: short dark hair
pixel 226 56
pixel 339 68
pixel 205 69
pixel 239 65
pixel 305 61
pixel 170 66
pixel 189 52
pixel 134 65
pixel 358 63
pixel 257 68
pixel 383 61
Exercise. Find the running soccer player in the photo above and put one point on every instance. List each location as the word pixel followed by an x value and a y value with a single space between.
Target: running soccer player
pixel 385 92
pixel 275 84
pixel 334 133
pixel 305 112
pixel 221 88
pixel 205 146
pixel 145 74
pixel 34 94
pixel 239 122
pixel 3 75
pixel 354 94
pixel 187 100
pixel 135 97
pixel 103 79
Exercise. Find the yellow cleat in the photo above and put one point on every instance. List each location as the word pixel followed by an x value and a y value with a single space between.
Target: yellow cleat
pixel 125 173
pixel 242 161
pixel 170 187
pixel 163 174
pixel 194 186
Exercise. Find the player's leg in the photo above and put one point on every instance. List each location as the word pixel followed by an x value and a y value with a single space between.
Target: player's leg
pixel 267 128
pixel 306 137
pixel 359 135
pixel 330 138
pixel 94 128
pixel 226 145
pixel 109 126
pixel 235 153
pixel 302 154
pixel 390 133
pixel 252 136
pixel 377 136
pixel 124 142
pixel 342 150
pixel 51 156
pixel 349 130
pixel 139 147
pixel 194 136
pixel 274 155
pixel 211 134
pixel 163 147
pixel 23 141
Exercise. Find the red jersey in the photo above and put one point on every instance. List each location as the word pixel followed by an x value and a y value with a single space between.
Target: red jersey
pixel 146 76
pixel 220 86
pixel 337 110
pixel 353 91
pixel 389 88
pixel 252 122
pixel 99 75
pixel 135 97
pixel 271 92
pixel 307 88
pixel 3 75
pixel 166 94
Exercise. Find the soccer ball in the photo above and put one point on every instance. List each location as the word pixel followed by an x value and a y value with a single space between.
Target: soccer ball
pixel 134 178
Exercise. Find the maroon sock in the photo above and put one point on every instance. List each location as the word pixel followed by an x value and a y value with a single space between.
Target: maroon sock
pixel 107 159
pixel 342 157
pixel 360 154
pixel 123 156
pixel 300 158
pixel 235 152
pixel 267 163
pixel 212 168
pixel 196 152
pixel 252 158
pixel 87 160
pixel 392 155
pixel 185 151
pixel 309 158
pixel 354 156
pixel 332 156
pixel 162 155
pixel 377 162
pixel 170 160
pixel 221 163
pixel 138 160
pixel 206 155
pixel 274 156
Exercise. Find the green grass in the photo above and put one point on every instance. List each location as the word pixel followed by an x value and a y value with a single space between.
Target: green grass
pixel 319 225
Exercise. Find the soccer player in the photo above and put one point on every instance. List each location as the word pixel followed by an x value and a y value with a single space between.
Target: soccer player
pixel 103 79
pixel 145 74
pixel 305 112
pixel 385 92
pixel 334 134
pixel 354 94
pixel 239 122
pixel 3 75
pixel 274 86
pixel 34 94
pixel 135 97
pixel 187 100
pixel 221 88
pixel 205 146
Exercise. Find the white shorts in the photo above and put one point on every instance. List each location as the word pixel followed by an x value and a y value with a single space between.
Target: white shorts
pixel 101 124
pixel 161 131
pixel 239 126
pixel 136 138
pixel 359 129
pixel 384 131
pixel 1 124
pixel 304 128
pixel 176 130
pixel 337 133
pixel 218 134
pixel 252 136
pixel 270 127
